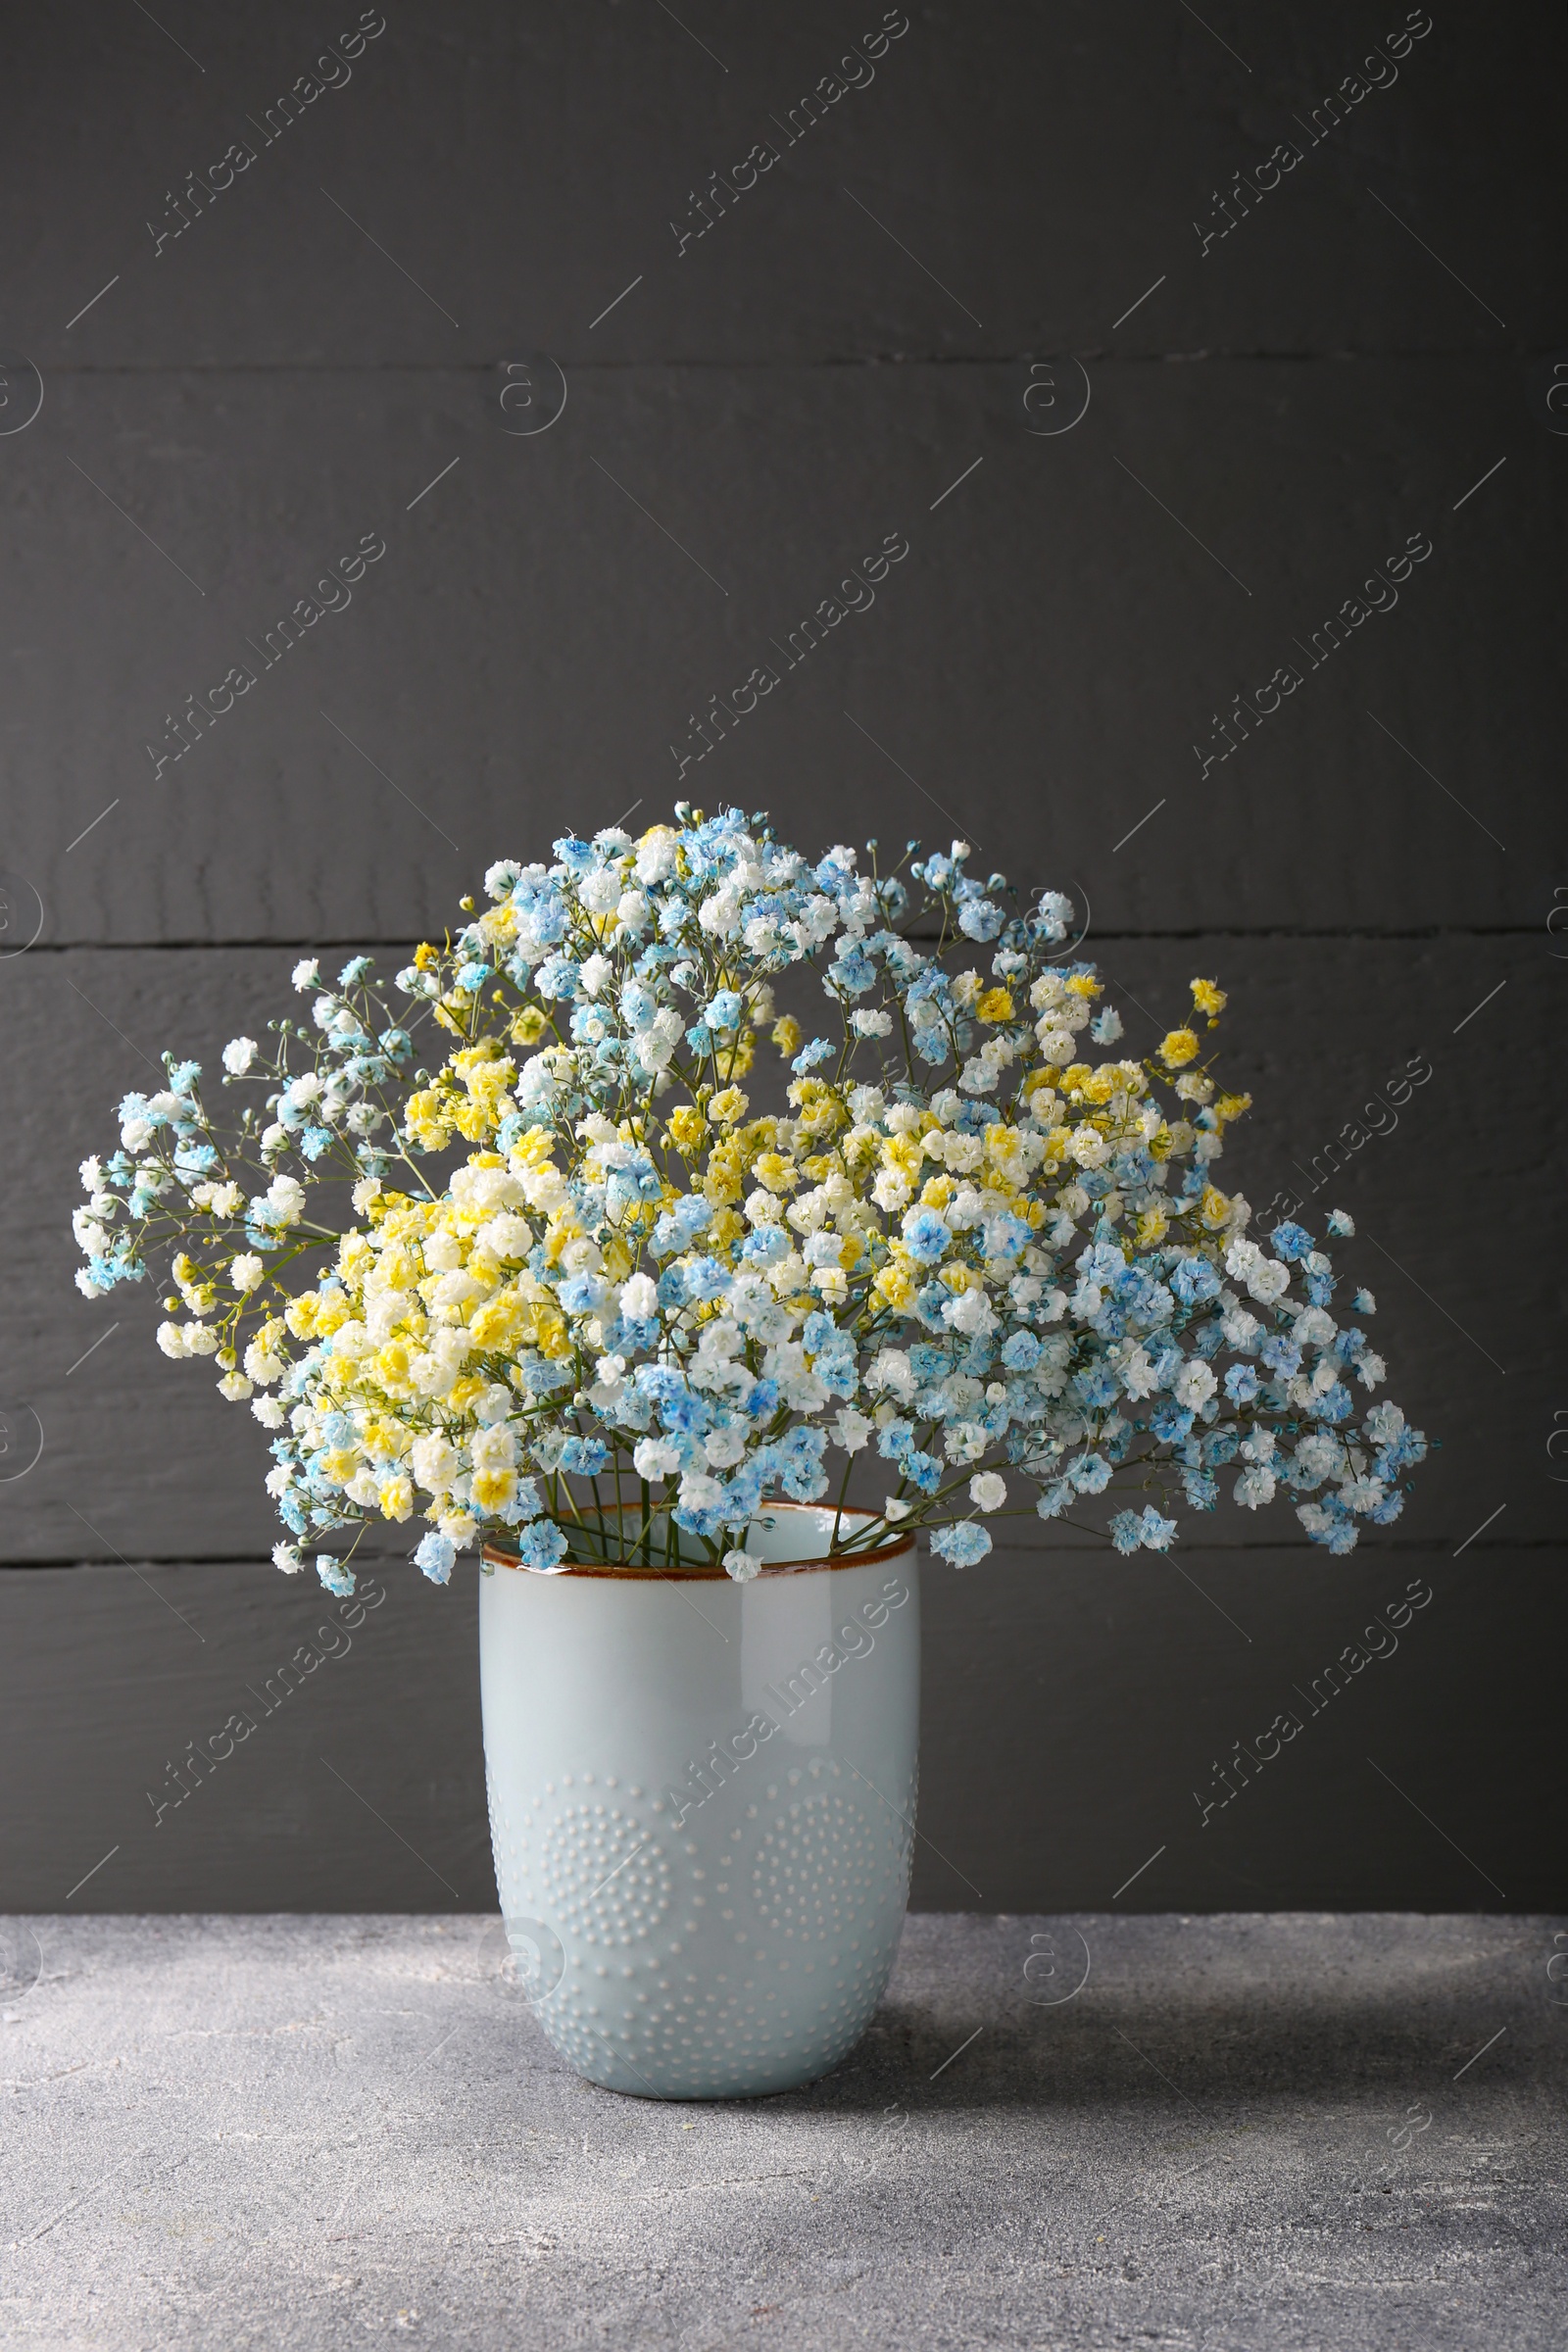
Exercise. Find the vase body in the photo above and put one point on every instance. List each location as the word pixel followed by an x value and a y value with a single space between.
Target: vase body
pixel 702 1806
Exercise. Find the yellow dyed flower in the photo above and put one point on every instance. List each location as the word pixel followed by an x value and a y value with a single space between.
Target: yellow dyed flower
pixel 528 1026
pixel 686 1127
pixel 426 958
pixel 426 1122
pixel 1210 998
pixel 1231 1106
pixel 493 1488
pixel 396 1498
pixel 787 1034
pixel 1214 1206
pixel 1153 1227
pixel 896 1285
pixel 775 1173
pixel 994 1006
pixel 729 1106
pixel 1178 1049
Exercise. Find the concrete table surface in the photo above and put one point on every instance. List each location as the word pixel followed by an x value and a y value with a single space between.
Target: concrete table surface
pixel 1241 2131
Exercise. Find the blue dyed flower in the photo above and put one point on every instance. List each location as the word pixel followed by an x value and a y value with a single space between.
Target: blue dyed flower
pixel 964 1544
pixel 818 1050
pixel 335 1575
pixel 584 1457
pixel 926 1235
pixel 435 1553
pixel 542 1547
pixel 1291 1242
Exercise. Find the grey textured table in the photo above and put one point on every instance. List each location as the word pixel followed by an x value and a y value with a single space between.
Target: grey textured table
pixel 1242 2132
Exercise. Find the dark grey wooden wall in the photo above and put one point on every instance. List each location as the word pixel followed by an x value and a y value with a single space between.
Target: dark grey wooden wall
pixel 1004 212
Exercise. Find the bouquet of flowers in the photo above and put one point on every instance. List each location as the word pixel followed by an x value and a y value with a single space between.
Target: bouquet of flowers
pixel 581 1304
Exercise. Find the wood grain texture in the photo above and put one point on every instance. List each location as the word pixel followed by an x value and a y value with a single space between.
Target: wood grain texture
pixel 1053 658
pixel 1039 169
pixel 1018 209
pixel 1079 1712
pixel 147 1453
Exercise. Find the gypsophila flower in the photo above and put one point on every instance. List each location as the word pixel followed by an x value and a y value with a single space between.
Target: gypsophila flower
pixel 560 1289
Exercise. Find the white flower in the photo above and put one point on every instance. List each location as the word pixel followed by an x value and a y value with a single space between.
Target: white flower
pixel 891 1369
pixel 365 1192
pixel 435 1463
pixel 971 1312
pixel 652 1458
pixel 198 1339
pixel 725 1447
pixel 872 1024
pixel 854 1429
pixel 1193 1384
pixel 741 1565
pixel 638 1298
pixel 893 1508
pixel 700 1492
pixel 988 1492
pixel 286 1196
pixel 306 973
pixel 1268 1281
pixel 171 1338
pixel 493 1448
pixel 596 971
pixel 287 1557
pixel 246 1272
pixel 1087 1145
pixel 269 1411
pixel 631 910
pixel 235 1386
pixel 1254 1487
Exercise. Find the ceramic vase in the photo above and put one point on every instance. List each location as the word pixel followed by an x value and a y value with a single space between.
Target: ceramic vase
pixel 702 1802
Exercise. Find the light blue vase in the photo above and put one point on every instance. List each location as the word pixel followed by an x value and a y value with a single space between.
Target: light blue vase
pixel 702 1804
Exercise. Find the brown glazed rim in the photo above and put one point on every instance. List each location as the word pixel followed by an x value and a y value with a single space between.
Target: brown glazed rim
pixel 709 1572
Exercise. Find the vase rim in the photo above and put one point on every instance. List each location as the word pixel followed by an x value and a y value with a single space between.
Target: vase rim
pixel 711 1571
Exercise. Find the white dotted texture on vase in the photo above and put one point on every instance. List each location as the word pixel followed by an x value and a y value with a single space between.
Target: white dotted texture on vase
pixel 600 1876
pixel 746 1947
pixel 818 1867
